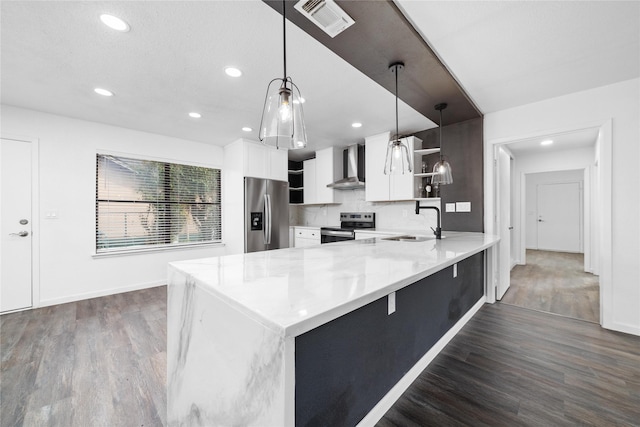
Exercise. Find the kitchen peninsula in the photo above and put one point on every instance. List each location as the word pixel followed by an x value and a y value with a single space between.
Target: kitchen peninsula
pixel 317 335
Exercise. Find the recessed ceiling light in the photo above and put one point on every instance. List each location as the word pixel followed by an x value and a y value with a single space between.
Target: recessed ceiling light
pixel 103 92
pixel 195 115
pixel 114 23
pixel 546 142
pixel 247 129
pixel 356 125
pixel 233 72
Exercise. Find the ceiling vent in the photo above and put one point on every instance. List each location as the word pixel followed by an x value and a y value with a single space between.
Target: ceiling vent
pixel 326 14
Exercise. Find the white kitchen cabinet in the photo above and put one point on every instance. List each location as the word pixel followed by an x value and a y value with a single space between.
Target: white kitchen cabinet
pixel 309 181
pixel 306 236
pixel 265 161
pixel 381 187
pixel 325 169
pixel 328 170
pixel 377 183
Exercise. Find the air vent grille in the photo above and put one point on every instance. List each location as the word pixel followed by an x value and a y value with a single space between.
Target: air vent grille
pixel 310 5
pixel 326 14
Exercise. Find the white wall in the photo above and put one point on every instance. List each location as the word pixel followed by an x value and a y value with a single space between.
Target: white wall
pixel 389 215
pixel 563 160
pixel 531 201
pixel 616 110
pixel 67 270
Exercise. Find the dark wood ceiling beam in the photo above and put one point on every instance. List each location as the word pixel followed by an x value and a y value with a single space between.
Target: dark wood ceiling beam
pixel 381 36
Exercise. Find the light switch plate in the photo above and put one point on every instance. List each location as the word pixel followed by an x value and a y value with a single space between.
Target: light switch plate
pixel 463 206
pixel 450 207
pixel 391 303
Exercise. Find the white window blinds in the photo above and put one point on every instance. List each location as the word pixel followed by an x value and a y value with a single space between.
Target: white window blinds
pixel 143 203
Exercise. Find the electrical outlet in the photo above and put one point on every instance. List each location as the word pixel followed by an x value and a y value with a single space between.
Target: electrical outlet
pixel 404 213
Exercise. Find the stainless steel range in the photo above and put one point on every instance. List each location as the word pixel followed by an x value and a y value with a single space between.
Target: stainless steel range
pixel 349 223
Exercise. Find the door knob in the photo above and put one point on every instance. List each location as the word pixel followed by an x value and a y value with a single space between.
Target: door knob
pixel 20 233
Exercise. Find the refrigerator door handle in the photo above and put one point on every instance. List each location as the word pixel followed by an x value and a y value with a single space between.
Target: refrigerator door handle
pixel 267 219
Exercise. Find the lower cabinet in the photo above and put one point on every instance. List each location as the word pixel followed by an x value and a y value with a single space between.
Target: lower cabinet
pixel 306 236
pixel 344 367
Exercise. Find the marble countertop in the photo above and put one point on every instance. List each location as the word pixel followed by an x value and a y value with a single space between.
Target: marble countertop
pixel 295 290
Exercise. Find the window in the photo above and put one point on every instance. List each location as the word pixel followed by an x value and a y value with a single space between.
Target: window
pixel 142 204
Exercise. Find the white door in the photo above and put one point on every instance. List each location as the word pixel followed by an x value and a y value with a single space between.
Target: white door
pixel 559 220
pixel 15 225
pixel 504 221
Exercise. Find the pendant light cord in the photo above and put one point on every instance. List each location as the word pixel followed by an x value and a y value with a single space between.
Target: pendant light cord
pixel 397 134
pixel 441 155
pixel 284 37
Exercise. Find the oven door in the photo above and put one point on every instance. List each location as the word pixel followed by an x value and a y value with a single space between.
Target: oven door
pixel 330 236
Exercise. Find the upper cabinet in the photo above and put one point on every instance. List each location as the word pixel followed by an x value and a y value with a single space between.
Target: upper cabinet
pixel 325 169
pixel 328 171
pixel 382 187
pixel 309 181
pixel 265 161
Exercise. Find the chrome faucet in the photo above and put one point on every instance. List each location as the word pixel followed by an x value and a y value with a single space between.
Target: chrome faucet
pixel 438 231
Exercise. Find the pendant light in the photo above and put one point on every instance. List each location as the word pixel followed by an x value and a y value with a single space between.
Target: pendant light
pixel 397 150
pixel 282 122
pixel 442 169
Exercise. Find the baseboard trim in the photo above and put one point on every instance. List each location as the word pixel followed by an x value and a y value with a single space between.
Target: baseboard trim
pixel 100 293
pixel 401 386
pixel 622 327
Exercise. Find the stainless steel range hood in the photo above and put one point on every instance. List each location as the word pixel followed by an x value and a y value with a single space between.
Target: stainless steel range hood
pixel 353 169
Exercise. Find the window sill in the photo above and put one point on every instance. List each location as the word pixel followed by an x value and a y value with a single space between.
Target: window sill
pixel 141 251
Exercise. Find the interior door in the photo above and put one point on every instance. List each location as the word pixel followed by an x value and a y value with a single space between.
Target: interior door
pixel 15 225
pixel 504 221
pixel 559 220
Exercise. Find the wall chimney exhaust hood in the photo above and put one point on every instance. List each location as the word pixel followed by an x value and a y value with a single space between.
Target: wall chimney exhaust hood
pixel 352 169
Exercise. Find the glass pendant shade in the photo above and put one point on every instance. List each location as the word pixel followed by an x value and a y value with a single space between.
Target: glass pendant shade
pixel 397 160
pixel 282 117
pixel 442 171
pixel 282 122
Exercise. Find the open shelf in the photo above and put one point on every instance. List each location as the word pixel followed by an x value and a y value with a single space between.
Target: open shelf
pixel 425 151
pixel 426 174
pixel 295 172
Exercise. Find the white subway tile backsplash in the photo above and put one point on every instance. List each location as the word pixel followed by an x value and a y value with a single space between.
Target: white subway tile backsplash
pixel 389 215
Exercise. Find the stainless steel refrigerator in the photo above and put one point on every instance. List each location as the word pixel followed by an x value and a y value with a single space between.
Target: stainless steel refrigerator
pixel 266 214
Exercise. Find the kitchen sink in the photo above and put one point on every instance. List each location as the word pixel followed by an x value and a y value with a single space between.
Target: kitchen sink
pixel 407 238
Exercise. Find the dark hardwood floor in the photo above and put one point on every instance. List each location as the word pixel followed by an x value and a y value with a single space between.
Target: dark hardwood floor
pixel 511 366
pixel 555 282
pixel 98 362
pixel 102 362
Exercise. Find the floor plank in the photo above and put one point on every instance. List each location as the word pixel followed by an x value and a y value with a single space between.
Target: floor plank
pixel 102 362
pixel 555 282
pixel 511 366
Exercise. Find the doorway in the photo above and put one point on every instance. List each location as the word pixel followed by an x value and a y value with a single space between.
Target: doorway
pixel 18 172
pixel 551 210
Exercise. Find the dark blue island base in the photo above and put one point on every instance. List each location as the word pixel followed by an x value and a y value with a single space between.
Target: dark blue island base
pixel 345 367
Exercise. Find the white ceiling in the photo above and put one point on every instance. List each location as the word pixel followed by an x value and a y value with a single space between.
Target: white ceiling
pixel 584 138
pixel 511 53
pixel 503 53
pixel 172 62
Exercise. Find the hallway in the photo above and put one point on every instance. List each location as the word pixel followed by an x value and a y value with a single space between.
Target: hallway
pixel 555 282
